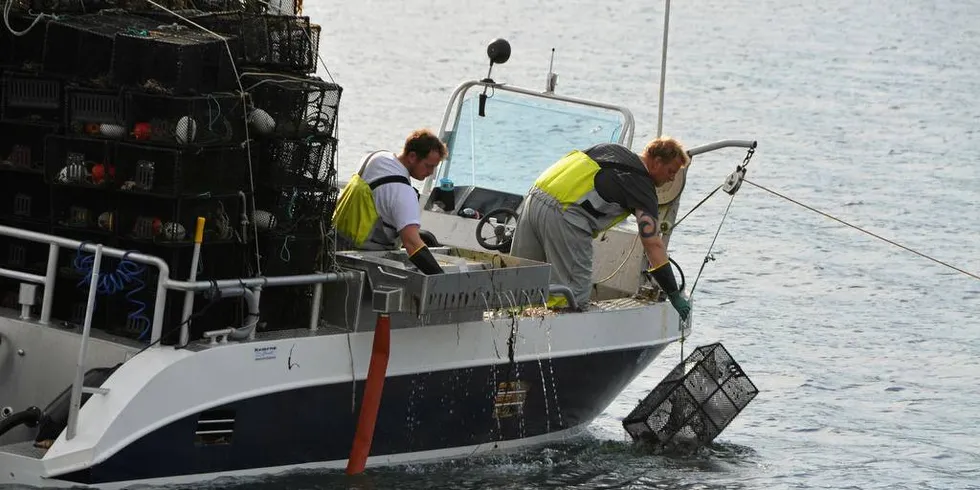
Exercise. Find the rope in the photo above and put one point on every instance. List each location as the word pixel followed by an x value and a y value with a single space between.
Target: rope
pixel 862 230
pixel 637 238
pixel 695 207
pixel 707 256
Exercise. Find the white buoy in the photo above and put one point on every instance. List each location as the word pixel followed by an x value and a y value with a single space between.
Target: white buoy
pixel 173 231
pixel 261 122
pixel 186 130
pixel 114 131
pixel 264 220
pixel 106 221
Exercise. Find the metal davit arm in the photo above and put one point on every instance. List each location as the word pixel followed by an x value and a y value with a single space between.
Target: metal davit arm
pixel 717 145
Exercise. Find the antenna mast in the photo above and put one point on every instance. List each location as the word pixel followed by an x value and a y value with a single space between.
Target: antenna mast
pixel 663 72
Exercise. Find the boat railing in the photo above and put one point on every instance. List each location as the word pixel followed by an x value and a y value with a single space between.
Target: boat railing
pixel 164 283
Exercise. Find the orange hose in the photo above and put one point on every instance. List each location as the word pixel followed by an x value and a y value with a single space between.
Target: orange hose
pixel 377 371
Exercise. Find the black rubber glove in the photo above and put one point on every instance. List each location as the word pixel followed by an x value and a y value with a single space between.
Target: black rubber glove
pixel 423 259
pixel 664 275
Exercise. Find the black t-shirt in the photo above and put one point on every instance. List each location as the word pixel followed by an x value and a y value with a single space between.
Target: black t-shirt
pixel 628 189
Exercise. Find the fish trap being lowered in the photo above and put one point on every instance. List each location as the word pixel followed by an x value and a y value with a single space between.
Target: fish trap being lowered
pixel 694 403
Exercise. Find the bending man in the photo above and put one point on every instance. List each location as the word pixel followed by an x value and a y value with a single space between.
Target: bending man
pixel 587 192
pixel 379 208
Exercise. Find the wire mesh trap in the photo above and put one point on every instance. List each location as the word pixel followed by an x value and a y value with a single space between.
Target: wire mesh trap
pixel 694 403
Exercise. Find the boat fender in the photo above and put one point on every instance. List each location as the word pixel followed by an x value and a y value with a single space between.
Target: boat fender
pixel 186 130
pixel 113 131
pixel 173 231
pixel 264 220
pixel 261 121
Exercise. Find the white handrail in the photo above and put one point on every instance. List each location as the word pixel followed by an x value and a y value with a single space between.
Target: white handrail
pixel 76 386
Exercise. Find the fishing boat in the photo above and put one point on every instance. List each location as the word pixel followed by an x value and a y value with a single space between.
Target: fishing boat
pixel 388 365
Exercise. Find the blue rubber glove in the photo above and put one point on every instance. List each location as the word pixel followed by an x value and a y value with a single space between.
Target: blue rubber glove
pixel 681 304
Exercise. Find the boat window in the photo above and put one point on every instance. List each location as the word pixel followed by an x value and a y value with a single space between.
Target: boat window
pixel 520 136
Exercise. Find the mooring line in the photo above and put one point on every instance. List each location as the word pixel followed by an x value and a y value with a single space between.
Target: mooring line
pixel 862 230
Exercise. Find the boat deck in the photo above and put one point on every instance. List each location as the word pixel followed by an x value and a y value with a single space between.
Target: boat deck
pixel 25 449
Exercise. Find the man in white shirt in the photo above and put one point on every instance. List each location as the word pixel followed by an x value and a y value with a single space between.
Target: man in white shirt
pixel 379 207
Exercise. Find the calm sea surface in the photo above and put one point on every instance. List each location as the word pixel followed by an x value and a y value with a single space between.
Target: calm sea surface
pixel 867 356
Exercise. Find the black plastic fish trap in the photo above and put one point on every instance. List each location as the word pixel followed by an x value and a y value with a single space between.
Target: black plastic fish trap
pixel 287 254
pixel 202 120
pixel 275 7
pixel 172 221
pixel 73 6
pixel 181 6
pixel 695 402
pixel 298 211
pixel 174 59
pixel 170 172
pixel 32 98
pixel 298 106
pixel 24 197
pixel 277 42
pixel 307 163
pixel 88 213
pixel 26 50
pixel 78 161
pixel 22 254
pixel 96 113
pixel 81 47
pixel 217 261
pixel 22 146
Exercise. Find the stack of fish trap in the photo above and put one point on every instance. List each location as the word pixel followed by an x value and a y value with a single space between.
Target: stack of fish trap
pixel 123 121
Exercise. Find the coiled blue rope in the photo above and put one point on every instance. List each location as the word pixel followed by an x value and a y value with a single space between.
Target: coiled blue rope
pixel 110 283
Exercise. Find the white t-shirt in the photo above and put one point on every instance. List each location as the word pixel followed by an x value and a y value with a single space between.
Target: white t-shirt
pixel 397 203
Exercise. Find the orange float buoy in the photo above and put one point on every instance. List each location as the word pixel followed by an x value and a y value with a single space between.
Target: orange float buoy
pixel 371 401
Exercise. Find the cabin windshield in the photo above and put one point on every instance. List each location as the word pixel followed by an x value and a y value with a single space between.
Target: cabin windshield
pixel 520 136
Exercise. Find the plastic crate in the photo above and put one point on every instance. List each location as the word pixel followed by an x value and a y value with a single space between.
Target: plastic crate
pixel 81 46
pixel 24 255
pixel 212 120
pixel 174 59
pixel 91 212
pixel 272 42
pixel 24 197
pixel 96 113
pixel 22 146
pixel 297 211
pixel 694 403
pixel 173 221
pixel 78 162
pixel 143 169
pixel 306 163
pixel 297 106
pixel 32 98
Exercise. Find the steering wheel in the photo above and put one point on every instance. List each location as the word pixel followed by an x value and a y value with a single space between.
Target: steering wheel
pixel 503 222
